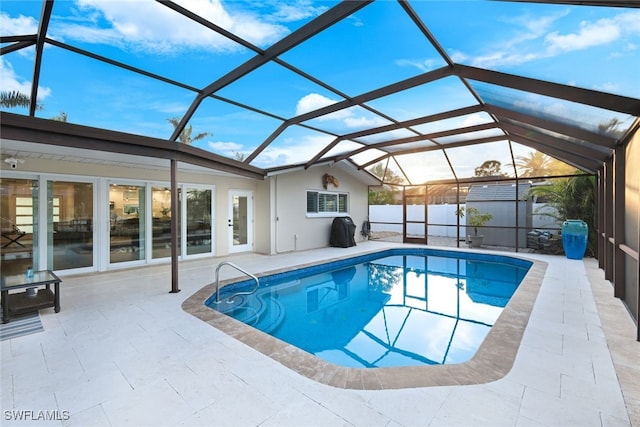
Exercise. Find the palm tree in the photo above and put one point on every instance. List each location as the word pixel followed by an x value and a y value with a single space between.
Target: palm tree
pixel 572 198
pixel 12 99
pixel 534 164
pixel 185 136
pixel 611 127
pixel 538 164
pixel 558 167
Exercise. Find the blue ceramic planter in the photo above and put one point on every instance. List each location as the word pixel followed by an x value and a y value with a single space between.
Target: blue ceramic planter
pixel 574 238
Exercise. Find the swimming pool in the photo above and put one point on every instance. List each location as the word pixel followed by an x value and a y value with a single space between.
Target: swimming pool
pixel 400 307
pixel 492 360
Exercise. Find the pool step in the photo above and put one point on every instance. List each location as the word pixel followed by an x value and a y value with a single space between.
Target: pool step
pixel 260 310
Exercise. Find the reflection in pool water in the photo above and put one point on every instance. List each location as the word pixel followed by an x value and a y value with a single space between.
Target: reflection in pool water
pixel 395 308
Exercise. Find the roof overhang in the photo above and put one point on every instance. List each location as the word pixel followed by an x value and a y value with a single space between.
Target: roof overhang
pixel 95 142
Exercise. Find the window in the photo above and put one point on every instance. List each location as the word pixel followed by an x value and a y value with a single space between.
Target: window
pixel 319 202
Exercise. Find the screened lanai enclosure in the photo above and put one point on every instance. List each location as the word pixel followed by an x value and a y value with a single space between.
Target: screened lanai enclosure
pixel 434 100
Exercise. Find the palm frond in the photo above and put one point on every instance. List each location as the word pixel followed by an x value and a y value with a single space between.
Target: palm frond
pixel 185 136
pixel 11 99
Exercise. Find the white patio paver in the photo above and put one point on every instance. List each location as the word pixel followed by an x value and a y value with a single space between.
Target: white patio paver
pixel 122 352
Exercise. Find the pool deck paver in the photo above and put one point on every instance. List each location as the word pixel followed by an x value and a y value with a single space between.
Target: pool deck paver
pixel 123 352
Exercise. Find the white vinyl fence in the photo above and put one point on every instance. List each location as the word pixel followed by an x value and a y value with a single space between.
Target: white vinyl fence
pixel 388 218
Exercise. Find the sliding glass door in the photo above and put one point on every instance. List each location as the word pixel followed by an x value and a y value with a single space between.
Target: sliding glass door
pixel 198 221
pixel 70 234
pixel 140 222
pixel 127 223
pixel 19 224
pixel 93 224
pixel 161 222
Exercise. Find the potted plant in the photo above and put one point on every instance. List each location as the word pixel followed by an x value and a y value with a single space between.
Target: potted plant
pixel 475 220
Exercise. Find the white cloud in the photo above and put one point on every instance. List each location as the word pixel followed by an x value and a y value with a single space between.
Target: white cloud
pixel 311 102
pixel 352 117
pixel 293 151
pixel 557 110
pixel 629 22
pixel 22 25
pixel 532 27
pixel 610 87
pixel 314 101
pixel 161 30
pixel 474 119
pixel 510 51
pixel 295 12
pixel 424 65
pixel 458 56
pixel 535 39
pixel 228 148
pixel 597 33
pixel 10 82
pixel 364 122
pixel 355 21
pixel 553 109
pixel 590 34
pixel 175 108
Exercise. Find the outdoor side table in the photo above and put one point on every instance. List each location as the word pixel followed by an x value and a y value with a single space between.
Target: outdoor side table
pixel 14 304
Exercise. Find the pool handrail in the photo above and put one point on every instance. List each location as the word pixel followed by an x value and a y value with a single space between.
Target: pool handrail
pixel 230 264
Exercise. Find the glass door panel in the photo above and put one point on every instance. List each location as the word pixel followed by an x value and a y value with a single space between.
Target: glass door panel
pixel 127 223
pixel 199 233
pixel 70 229
pixel 161 222
pixel 240 221
pixel 18 222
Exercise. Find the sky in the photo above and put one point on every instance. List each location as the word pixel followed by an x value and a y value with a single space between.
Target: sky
pixel 591 47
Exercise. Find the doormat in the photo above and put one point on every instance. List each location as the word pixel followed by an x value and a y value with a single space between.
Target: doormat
pixel 21 326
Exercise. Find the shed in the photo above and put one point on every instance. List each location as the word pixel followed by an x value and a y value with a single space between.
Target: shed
pixel 500 201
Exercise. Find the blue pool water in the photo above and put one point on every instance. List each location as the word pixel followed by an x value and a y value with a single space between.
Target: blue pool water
pixel 399 307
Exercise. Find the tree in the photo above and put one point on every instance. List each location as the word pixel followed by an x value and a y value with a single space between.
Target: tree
pixel 12 99
pixel 386 174
pixel 537 164
pixel 489 168
pixel 378 170
pixel 385 195
pixel 382 278
pixel 534 164
pixel 388 194
pixel 611 127
pixel 185 136
pixel 62 117
pixel 558 167
pixel 572 198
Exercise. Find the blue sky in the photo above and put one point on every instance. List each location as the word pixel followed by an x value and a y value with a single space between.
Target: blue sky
pixel 591 47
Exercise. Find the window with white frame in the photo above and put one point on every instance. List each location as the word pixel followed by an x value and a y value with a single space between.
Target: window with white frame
pixel 327 203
